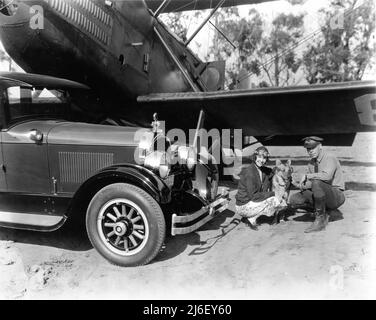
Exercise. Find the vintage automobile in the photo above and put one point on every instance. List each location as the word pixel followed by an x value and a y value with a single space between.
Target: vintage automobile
pixel 130 193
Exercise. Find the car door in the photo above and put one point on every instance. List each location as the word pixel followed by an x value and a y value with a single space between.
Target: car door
pixel 26 160
pixel 4 84
pixel 24 144
pixel 3 185
pixel 24 175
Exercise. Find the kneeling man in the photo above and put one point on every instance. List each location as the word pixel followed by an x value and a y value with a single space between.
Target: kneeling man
pixel 322 186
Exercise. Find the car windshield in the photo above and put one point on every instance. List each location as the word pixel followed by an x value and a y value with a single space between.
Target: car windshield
pixel 33 103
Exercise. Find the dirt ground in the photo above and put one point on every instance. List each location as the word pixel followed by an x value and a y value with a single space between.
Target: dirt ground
pixel 222 260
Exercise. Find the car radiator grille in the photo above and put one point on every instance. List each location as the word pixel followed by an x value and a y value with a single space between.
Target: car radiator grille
pixel 76 167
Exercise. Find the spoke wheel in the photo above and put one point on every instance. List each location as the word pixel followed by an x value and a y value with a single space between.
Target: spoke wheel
pixel 125 225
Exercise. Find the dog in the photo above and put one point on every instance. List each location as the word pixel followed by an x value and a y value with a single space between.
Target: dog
pixel 281 184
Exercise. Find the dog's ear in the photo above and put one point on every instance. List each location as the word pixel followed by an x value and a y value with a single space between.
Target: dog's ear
pixel 278 162
pixel 288 162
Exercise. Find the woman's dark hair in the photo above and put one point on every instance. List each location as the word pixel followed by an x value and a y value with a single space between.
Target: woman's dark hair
pixel 260 151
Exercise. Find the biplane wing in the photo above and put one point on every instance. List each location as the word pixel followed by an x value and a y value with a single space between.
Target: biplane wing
pixel 185 5
pixel 334 111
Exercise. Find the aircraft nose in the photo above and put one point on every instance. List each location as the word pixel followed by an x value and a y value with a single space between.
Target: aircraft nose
pixel 15 31
pixel 14 12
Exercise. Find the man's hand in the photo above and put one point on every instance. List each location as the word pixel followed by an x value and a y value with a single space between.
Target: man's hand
pixel 296 184
pixel 302 182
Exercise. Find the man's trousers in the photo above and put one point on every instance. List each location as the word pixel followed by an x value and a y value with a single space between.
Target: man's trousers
pixel 321 196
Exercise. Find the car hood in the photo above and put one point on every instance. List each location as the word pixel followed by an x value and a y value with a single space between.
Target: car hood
pixel 93 134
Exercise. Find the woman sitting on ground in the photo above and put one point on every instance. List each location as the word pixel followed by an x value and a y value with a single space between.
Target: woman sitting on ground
pixel 254 197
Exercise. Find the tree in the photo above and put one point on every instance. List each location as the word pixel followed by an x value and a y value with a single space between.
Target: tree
pixel 245 34
pixel 250 50
pixel 276 57
pixel 175 22
pixel 347 46
pixel 268 58
pixel 179 22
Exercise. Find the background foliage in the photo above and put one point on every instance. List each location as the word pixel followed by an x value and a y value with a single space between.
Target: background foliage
pixel 261 53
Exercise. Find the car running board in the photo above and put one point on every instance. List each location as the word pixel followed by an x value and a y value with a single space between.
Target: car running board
pixel 30 221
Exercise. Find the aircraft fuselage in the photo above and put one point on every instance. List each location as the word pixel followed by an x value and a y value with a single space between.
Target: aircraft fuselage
pixel 114 49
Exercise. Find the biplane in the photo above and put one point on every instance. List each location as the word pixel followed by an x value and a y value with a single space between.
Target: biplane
pixel 137 66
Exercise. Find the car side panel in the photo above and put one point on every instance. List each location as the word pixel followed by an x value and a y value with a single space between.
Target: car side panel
pixel 26 161
pixel 33 203
pixel 27 198
pixel 71 165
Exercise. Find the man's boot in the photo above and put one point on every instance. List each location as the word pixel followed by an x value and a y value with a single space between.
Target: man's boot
pixel 320 222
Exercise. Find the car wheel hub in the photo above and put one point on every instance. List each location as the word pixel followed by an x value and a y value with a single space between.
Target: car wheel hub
pixel 121 228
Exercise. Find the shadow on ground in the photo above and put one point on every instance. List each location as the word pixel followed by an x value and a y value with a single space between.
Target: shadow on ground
pixel 349 185
pixel 360 186
pixel 302 161
pixel 69 237
pixel 334 215
pixel 175 245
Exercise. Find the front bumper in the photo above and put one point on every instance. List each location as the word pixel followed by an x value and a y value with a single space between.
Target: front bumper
pixel 183 224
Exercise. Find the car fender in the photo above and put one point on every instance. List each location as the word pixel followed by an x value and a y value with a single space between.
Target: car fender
pixel 127 173
pixel 137 175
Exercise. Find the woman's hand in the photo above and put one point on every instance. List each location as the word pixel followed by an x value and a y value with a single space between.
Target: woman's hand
pixel 279 196
pixel 302 182
pixel 295 184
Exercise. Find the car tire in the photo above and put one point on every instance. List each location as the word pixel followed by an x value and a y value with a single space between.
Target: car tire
pixel 125 225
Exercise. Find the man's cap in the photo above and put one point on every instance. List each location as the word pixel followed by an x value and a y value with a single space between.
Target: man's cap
pixel 312 141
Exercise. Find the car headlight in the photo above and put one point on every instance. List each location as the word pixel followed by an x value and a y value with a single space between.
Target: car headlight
pixel 187 155
pixel 144 147
pixel 149 142
pixel 158 161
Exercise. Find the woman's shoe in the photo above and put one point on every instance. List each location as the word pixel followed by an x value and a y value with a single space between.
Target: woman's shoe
pixel 253 226
pixel 249 224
